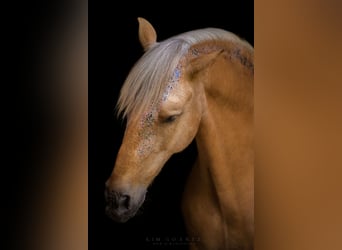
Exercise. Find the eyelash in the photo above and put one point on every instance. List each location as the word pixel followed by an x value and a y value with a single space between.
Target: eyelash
pixel 170 119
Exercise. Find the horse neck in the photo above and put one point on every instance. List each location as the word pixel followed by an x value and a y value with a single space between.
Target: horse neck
pixel 225 136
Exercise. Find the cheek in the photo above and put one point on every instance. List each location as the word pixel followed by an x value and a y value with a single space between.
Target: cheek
pixel 184 133
pixel 191 125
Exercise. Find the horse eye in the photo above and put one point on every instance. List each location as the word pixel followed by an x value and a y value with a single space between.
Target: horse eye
pixel 170 119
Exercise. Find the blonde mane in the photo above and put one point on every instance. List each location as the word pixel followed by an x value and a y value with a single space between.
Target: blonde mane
pixel 148 78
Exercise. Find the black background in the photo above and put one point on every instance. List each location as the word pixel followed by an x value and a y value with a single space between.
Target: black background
pixel 113 49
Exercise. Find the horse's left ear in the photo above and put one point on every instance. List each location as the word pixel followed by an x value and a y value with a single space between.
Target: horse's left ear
pixel 147 34
pixel 200 63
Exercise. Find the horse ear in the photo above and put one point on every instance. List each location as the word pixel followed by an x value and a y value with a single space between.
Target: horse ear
pixel 147 34
pixel 200 63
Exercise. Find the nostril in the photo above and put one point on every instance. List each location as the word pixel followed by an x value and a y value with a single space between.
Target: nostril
pixel 125 201
pixel 117 200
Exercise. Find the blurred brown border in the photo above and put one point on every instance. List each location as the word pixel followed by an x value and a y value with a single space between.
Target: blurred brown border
pixel 298 119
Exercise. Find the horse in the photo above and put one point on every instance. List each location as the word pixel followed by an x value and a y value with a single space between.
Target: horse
pixel 197 85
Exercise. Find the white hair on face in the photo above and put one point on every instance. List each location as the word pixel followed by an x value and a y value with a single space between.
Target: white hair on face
pixel 147 80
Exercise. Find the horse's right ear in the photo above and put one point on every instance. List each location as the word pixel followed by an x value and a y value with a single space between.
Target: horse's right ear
pixel 201 63
pixel 147 34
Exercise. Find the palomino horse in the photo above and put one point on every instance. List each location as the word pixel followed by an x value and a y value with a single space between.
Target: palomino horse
pixel 196 85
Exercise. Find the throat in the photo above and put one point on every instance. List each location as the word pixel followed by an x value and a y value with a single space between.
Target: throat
pixel 225 152
pixel 225 148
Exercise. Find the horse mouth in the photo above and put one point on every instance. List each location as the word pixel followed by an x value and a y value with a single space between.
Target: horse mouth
pixel 120 217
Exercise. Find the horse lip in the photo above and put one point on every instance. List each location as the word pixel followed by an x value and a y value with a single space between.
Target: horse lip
pixel 120 217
